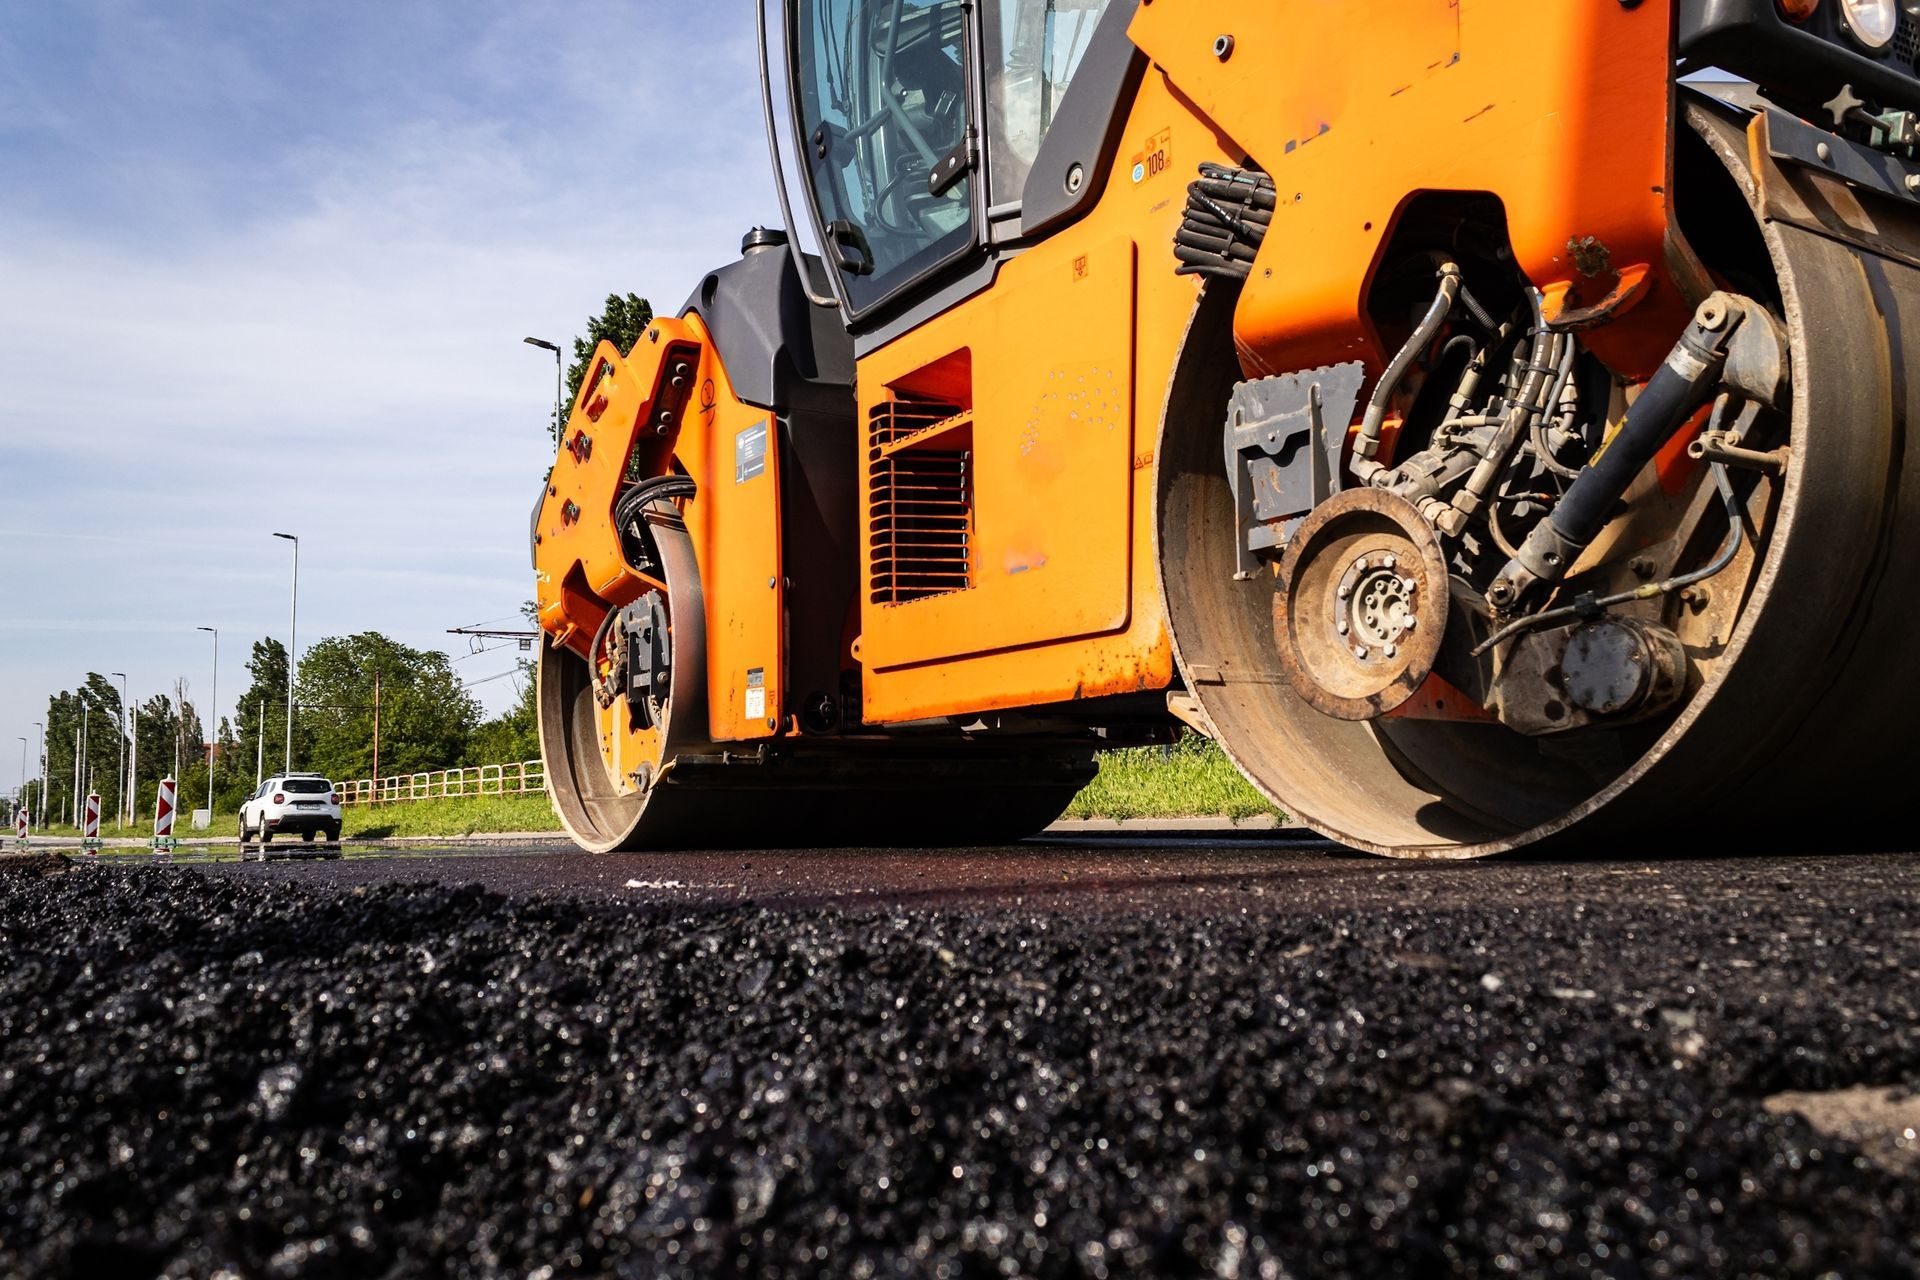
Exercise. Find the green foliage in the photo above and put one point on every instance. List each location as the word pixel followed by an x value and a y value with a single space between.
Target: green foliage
pixel 1191 779
pixel 621 323
pixel 262 710
pixel 88 715
pixel 512 736
pixel 426 717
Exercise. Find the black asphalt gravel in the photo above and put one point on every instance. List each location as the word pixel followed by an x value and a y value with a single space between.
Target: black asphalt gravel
pixel 1165 1059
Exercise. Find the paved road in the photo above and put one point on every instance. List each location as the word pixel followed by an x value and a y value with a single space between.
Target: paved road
pixel 1257 1056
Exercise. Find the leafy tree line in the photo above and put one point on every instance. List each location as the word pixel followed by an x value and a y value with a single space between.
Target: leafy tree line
pixel 427 721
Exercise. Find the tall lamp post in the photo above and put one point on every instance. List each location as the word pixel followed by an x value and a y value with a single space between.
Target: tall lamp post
pixel 559 381
pixel 213 749
pixel 120 801
pixel 293 644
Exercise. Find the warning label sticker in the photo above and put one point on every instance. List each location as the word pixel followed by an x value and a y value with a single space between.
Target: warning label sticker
pixel 757 693
pixel 750 453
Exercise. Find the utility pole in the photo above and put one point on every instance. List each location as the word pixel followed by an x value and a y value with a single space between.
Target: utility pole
pixel 213 749
pixel 120 800
pixel 376 734
pixel 260 747
pixel 79 758
pixel 293 644
pixel 133 769
pixel 40 760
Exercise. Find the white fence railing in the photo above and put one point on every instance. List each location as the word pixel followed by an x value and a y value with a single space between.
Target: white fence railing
pixel 526 778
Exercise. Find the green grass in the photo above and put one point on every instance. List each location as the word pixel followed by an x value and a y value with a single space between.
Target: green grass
pixel 1192 779
pixel 464 816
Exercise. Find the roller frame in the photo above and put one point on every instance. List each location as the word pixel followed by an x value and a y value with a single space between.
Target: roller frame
pixel 1793 716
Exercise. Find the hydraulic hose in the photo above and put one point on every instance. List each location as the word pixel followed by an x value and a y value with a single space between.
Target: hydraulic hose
pixel 1519 413
pixel 1684 382
pixel 627 508
pixel 1369 442
pixel 1549 410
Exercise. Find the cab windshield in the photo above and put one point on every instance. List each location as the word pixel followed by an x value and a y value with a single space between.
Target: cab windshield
pixel 881 94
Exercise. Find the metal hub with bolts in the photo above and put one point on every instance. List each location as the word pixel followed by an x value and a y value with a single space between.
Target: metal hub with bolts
pixel 1361 604
pixel 1376 607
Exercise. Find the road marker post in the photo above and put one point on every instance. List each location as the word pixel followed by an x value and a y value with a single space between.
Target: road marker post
pixel 21 825
pixel 90 828
pixel 163 841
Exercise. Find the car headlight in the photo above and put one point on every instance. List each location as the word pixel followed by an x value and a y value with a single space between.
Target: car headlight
pixel 1872 22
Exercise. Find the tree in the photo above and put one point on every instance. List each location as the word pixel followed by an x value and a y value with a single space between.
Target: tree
pixel 621 323
pixel 88 716
pixel 513 736
pixel 265 703
pixel 426 716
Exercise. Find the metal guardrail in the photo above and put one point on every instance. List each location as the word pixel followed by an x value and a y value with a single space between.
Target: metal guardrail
pixel 525 778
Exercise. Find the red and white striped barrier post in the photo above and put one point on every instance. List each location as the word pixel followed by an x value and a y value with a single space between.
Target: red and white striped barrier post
pixel 20 825
pixel 163 840
pixel 90 826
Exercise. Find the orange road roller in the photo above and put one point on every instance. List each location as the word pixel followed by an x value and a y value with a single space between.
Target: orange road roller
pixel 1485 419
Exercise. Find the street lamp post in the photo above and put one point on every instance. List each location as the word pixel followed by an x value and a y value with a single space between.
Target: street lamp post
pixel 559 382
pixel 293 644
pixel 120 801
pixel 213 749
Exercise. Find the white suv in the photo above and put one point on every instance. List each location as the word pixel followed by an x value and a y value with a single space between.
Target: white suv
pixel 291 802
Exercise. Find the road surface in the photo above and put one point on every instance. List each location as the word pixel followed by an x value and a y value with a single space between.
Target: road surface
pixel 1253 1055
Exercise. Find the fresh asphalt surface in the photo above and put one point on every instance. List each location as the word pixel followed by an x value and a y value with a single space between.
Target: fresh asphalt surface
pixel 1238 1054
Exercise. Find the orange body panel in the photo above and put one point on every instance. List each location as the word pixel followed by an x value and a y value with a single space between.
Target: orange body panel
pixel 1051 505
pixel 1072 350
pixel 731 451
pixel 1560 109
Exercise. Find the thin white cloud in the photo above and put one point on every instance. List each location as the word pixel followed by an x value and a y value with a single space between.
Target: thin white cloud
pixel 324 337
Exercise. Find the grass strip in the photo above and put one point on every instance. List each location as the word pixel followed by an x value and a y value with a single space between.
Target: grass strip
pixel 1191 779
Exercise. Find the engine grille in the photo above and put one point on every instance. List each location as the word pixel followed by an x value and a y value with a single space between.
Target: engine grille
pixel 1906 39
pixel 920 528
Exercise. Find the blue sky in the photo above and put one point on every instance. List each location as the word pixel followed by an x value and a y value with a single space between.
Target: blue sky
pixel 267 267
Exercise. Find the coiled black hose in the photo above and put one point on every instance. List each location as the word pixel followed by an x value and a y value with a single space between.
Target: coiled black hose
pixel 627 508
pixel 1228 214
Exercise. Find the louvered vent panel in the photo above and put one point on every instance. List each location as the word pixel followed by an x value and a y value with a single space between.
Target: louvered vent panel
pixel 921 519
